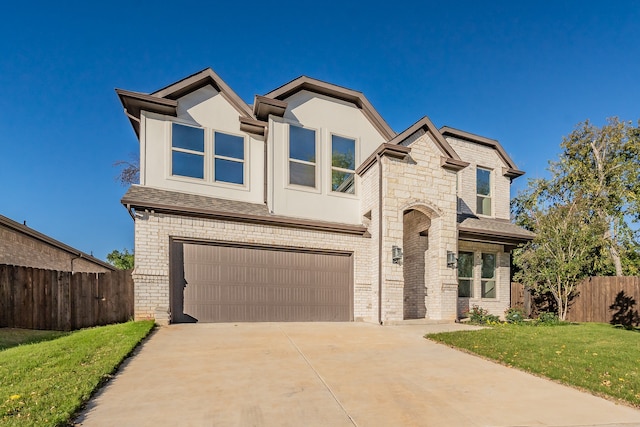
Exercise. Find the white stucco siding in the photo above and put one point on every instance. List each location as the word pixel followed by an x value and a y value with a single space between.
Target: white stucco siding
pixel 484 157
pixel 208 109
pixel 326 116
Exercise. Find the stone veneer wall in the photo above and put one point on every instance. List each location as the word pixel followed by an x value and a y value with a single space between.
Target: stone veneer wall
pixel 418 183
pixel 486 157
pixel 498 305
pixel 153 232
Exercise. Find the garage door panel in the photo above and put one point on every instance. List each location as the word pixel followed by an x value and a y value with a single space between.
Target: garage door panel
pixel 234 284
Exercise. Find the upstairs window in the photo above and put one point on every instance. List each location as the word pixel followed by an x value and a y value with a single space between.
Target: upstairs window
pixel 302 156
pixel 465 274
pixel 187 151
pixel 343 164
pixel 228 158
pixel 488 277
pixel 483 191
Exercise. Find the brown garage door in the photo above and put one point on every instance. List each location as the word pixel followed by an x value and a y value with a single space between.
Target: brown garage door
pixel 226 283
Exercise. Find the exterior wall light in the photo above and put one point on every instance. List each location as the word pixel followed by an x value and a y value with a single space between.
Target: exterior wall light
pixel 451 259
pixel 396 254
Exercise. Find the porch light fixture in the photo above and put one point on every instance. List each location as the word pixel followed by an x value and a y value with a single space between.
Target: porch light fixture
pixel 396 254
pixel 451 259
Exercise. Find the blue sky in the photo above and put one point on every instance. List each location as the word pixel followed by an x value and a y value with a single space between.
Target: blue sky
pixel 522 72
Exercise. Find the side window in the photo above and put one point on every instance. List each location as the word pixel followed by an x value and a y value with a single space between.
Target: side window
pixel 343 164
pixel 488 277
pixel 302 156
pixel 187 151
pixel 228 158
pixel 483 191
pixel 465 274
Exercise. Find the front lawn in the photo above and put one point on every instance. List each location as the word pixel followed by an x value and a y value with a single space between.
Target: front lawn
pixel 11 337
pixel 593 356
pixel 44 384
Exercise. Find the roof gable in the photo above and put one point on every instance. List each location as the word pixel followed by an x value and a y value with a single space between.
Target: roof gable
pixel 449 160
pixel 165 100
pixel 333 91
pixel 511 169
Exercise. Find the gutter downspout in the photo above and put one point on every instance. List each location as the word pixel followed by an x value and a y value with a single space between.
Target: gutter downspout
pixel 379 160
pixel 133 217
pixel 130 116
pixel 266 164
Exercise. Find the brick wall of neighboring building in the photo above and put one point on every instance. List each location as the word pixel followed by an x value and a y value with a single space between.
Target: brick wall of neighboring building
pixel 20 249
pixel 154 231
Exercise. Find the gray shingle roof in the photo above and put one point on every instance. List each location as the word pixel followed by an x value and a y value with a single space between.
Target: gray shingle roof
pixel 501 229
pixel 142 197
pixel 139 196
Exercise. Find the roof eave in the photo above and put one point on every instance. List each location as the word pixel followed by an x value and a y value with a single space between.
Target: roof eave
pixel 135 102
pixel 492 143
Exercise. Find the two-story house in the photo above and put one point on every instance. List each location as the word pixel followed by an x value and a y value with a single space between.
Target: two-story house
pixel 307 206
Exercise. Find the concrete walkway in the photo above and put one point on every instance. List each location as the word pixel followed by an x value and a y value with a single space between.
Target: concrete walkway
pixel 330 374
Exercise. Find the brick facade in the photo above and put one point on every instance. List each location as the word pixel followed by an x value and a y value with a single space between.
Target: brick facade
pixel 18 248
pixel 154 232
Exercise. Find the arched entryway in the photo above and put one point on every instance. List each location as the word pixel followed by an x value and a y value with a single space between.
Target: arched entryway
pixel 416 224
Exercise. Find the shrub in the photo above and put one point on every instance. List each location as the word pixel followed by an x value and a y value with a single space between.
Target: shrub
pixel 548 318
pixel 514 315
pixel 481 316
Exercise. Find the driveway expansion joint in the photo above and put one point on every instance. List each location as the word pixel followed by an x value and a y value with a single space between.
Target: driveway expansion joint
pixel 319 377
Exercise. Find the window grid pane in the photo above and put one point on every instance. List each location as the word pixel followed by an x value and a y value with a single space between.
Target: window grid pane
pixel 187 137
pixel 465 274
pixel 228 145
pixel 302 144
pixel 488 275
pixel 302 174
pixel 187 164
pixel 229 171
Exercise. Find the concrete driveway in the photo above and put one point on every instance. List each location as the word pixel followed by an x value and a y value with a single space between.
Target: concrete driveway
pixel 330 374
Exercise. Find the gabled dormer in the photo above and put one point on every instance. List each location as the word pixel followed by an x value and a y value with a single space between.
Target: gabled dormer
pixel 483 187
pixel 198 136
pixel 318 135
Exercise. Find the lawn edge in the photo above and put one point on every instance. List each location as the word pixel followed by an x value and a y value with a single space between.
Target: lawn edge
pixel 71 421
pixel 560 382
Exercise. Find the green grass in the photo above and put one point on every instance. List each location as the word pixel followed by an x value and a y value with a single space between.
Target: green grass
pixel 592 356
pixel 45 383
pixel 11 337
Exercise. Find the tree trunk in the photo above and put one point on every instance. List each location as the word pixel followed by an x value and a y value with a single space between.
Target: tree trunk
pixel 615 257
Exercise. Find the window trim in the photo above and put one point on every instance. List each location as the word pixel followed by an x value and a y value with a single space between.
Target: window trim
pixel 317 176
pixel 494 278
pixel 214 156
pixel 472 278
pixel 188 151
pixel 489 196
pixel 209 159
pixel 356 152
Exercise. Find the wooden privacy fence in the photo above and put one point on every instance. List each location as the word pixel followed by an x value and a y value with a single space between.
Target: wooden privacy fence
pixel 595 297
pixel 33 298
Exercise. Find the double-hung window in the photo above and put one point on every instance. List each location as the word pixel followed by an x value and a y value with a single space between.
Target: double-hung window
pixel 302 156
pixel 465 274
pixel 343 164
pixel 483 191
pixel 228 158
pixel 187 151
pixel 488 277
